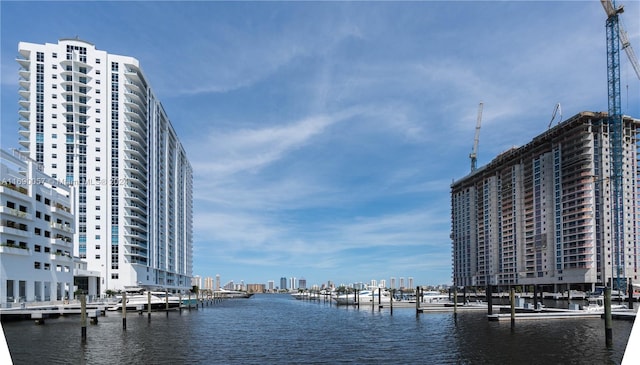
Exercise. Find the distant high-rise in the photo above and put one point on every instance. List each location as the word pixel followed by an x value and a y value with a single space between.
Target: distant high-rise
pixel 90 119
pixel 302 283
pixel 208 283
pixel 283 283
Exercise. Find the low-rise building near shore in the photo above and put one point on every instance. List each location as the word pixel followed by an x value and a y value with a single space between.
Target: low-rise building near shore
pixel 36 235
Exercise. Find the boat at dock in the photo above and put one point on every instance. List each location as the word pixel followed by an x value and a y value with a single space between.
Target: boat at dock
pixel 140 302
pixel 231 294
pixel 363 297
pixel 435 297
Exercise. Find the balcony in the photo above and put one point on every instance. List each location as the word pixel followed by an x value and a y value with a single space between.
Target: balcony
pixel 60 256
pixel 60 242
pixel 62 227
pixel 24 74
pixel 61 209
pixel 16 213
pixel 24 123
pixel 25 143
pixel 24 62
pixel 14 250
pixel 24 113
pixel 14 190
pixel 15 232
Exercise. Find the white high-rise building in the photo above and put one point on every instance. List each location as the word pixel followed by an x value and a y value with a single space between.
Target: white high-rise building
pixel 91 120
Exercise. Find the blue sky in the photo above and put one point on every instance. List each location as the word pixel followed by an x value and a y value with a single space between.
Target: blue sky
pixel 324 136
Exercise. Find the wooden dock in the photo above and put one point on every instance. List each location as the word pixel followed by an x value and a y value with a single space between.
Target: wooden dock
pixel 40 313
pixel 551 313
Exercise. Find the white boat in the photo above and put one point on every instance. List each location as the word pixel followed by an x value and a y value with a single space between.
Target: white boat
pixel 139 302
pixel 300 295
pixel 231 294
pixel 596 304
pixel 176 300
pixel 363 297
pixel 435 297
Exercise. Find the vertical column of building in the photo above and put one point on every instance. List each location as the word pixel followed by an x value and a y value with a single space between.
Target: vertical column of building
pixel 170 191
pixel 24 100
pixel 39 156
pixel 114 183
pixel 557 208
pixel 633 250
pixel 628 259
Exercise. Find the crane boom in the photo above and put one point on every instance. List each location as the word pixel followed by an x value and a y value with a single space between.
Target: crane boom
pixel 631 55
pixel 612 11
pixel 474 152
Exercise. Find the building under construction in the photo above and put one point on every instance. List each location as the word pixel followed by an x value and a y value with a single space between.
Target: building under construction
pixel 541 214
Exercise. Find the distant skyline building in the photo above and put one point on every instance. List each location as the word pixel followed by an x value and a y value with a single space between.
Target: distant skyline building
pixel 208 283
pixel 393 283
pixel 271 285
pixel 542 213
pixel 283 283
pixel 293 283
pixel 302 283
pixel 217 282
pixel 196 281
pixel 91 120
pixel 410 283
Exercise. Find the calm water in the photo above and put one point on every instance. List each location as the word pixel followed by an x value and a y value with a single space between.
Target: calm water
pixel 277 329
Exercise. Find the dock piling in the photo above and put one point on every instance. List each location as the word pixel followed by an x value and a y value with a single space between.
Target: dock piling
pixel 124 311
pixel 608 333
pixel 455 302
pixel 489 300
pixel 149 306
pixel 83 317
pixel 512 299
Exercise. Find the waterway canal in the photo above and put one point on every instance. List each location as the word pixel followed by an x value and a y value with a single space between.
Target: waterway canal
pixel 277 329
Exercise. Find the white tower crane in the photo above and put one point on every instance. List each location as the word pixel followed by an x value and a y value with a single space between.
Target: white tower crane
pixel 474 152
